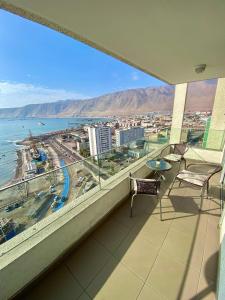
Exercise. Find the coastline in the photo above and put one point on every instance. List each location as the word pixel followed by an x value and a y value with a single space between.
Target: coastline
pixel 18 173
pixel 17 176
pixel 18 134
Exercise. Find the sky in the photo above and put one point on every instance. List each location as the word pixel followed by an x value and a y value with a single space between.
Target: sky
pixel 39 65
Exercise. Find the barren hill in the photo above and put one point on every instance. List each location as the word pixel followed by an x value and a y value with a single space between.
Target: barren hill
pixel 126 102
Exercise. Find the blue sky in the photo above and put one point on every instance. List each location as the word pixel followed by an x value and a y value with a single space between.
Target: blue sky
pixel 38 65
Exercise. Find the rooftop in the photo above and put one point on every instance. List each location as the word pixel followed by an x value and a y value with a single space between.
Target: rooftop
pixel 143 257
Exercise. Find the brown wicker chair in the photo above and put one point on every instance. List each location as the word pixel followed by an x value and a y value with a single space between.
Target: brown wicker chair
pixel 143 187
pixel 197 179
pixel 176 153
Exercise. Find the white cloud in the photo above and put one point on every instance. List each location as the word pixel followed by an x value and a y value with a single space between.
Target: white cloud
pixel 18 94
pixel 134 76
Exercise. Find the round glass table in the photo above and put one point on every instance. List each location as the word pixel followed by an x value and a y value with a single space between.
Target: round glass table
pixel 158 166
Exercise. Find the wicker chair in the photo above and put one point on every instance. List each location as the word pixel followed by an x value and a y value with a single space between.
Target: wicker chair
pixel 143 187
pixel 200 180
pixel 176 153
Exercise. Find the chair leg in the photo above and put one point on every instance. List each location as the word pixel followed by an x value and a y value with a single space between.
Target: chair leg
pixel 207 189
pixel 131 205
pixel 202 196
pixel 179 165
pixel 185 163
pixel 160 207
pixel 171 186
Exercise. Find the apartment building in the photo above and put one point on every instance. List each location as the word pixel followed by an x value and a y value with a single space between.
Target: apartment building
pixel 100 139
pixel 125 136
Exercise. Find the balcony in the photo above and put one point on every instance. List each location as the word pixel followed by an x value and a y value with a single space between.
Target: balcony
pixel 175 258
pixel 90 248
pixel 143 257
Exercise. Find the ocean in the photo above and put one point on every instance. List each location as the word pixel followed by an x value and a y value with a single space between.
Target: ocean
pixel 13 130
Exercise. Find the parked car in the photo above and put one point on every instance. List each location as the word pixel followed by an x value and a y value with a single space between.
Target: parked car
pixel 16 205
pixel 80 180
pixel 52 190
pixel 9 208
pixel 40 194
pixel 56 198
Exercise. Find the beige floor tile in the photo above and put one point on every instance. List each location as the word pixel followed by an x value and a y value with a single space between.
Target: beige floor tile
pixel 122 216
pixel 214 215
pixel 179 245
pixel 110 234
pixel 115 282
pixel 197 252
pixel 87 260
pixel 190 286
pixel 206 289
pixel 210 259
pixel 185 203
pixel 138 255
pixel 167 276
pixel 209 270
pixel 148 293
pixel 186 223
pixel 144 204
pixel 57 285
pixel 154 230
pixel 168 210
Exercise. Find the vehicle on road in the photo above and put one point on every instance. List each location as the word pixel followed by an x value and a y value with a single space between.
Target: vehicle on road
pixel 9 208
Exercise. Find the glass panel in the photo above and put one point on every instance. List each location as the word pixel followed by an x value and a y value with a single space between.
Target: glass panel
pixel 200 98
pixel 112 162
pixel 201 138
pixel 204 138
pixel 28 202
pixel 24 204
pixel 197 116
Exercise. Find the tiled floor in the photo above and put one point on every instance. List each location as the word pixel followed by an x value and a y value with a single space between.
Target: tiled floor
pixel 144 258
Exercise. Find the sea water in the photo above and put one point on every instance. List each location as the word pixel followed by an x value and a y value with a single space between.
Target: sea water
pixel 14 130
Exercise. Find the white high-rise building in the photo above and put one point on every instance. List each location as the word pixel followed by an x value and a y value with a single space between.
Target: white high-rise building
pixel 125 136
pixel 100 139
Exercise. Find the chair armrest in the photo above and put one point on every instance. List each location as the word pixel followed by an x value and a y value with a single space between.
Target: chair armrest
pixel 164 149
pixel 144 179
pixel 214 168
pixel 187 148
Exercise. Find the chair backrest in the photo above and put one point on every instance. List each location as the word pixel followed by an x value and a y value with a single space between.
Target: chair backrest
pixel 146 186
pixel 180 148
pixel 215 169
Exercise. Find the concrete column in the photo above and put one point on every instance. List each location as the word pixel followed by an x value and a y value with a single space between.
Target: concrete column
pixel 176 135
pixel 216 134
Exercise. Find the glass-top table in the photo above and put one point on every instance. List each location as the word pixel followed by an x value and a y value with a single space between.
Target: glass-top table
pixel 158 166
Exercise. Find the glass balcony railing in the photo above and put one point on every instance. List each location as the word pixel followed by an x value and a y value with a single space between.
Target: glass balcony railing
pixel 210 139
pixel 25 203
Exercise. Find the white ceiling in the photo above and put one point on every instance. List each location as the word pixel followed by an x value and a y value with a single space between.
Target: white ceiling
pixel 165 38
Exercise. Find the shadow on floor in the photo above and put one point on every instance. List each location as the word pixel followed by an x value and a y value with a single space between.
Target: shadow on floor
pixel 97 257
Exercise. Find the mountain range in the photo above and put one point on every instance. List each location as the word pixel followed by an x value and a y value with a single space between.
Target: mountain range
pixel 134 101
